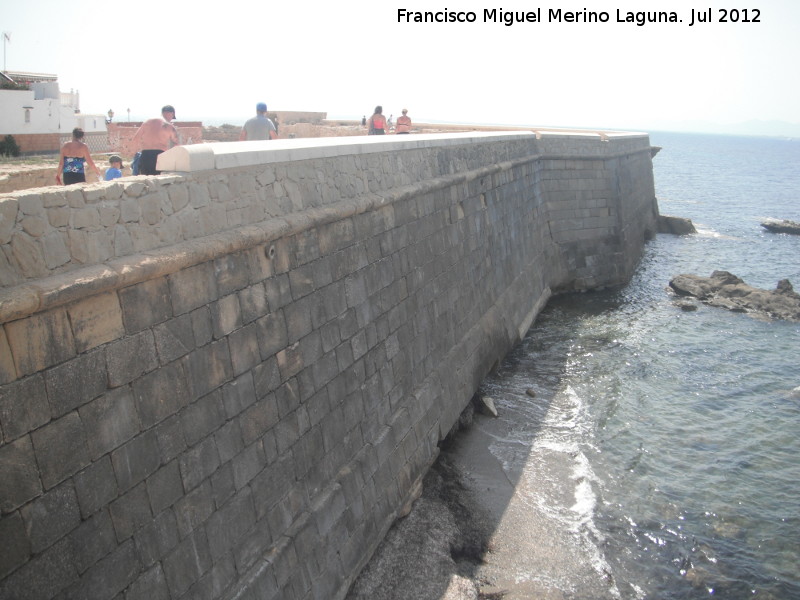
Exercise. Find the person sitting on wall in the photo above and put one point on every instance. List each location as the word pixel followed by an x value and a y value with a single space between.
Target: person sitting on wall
pixel 72 158
pixel 259 127
pixel 154 137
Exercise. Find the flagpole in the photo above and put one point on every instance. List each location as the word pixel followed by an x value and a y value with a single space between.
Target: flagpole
pixel 6 38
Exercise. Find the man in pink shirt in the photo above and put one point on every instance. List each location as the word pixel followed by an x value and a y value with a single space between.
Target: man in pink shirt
pixel 154 137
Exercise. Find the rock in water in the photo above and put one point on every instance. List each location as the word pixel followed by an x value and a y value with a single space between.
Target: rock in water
pixel 675 225
pixel 725 290
pixel 487 407
pixel 781 226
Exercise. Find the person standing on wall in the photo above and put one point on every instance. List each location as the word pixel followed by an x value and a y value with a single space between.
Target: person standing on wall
pixel 259 127
pixel 71 162
pixel 377 122
pixel 403 123
pixel 154 137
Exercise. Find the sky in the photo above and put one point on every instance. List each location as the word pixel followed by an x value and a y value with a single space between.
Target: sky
pixel 215 60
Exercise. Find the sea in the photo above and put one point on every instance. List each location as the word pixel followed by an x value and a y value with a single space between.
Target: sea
pixel 672 436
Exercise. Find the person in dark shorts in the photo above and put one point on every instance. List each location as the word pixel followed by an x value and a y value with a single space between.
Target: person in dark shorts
pixel 153 137
pixel 73 159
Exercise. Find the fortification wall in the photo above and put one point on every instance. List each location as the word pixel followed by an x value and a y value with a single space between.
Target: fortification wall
pixel 238 397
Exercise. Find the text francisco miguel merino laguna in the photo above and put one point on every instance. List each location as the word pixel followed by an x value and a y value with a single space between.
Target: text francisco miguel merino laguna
pixel 558 15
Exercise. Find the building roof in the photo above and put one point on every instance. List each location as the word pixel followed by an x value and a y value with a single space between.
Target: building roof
pixel 22 76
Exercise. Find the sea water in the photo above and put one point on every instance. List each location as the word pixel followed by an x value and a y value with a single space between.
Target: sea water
pixel 681 430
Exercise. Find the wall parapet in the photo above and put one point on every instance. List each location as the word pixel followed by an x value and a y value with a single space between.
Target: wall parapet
pixel 58 229
pixel 244 411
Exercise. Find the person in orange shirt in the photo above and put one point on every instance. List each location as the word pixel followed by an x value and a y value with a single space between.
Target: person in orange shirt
pixel 403 123
pixel 377 122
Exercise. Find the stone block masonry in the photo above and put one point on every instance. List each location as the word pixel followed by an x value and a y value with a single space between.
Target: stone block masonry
pixel 228 381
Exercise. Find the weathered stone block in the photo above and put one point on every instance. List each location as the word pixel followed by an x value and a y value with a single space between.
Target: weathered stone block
pixel 8 372
pixel 157 538
pixel 109 421
pixel 51 516
pixel 231 272
pixel 290 361
pixel 208 368
pixel 248 463
pixel 8 218
pixel 93 540
pixel 145 304
pixel 272 333
pixel 108 577
pixel 253 302
pixel 238 395
pixel 278 290
pixel 76 382
pixel 202 417
pixel 61 449
pixel 187 563
pixel 130 357
pixel 174 338
pixel 96 486
pixel 165 487
pixel 222 484
pixel 23 407
pixel 130 512
pixel 170 438
pixel 259 418
pixel 193 287
pixel 16 548
pixel 54 249
pixel 136 460
pixel 245 352
pixel 40 341
pixel 42 577
pixel 229 524
pixel 161 394
pixel 229 440
pixel 193 509
pixel 150 585
pixel 226 315
pixel 199 463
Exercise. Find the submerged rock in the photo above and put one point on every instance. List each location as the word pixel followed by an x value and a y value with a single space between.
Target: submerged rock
pixel 726 290
pixel 781 226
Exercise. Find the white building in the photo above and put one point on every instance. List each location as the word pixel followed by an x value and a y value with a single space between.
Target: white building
pixel 31 104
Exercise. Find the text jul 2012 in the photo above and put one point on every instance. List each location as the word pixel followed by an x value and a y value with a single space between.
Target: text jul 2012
pixel 558 15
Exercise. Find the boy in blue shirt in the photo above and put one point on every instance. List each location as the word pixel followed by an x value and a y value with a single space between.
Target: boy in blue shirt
pixel 115 170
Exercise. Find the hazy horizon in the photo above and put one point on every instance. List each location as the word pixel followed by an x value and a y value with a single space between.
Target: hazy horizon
pixel 595 68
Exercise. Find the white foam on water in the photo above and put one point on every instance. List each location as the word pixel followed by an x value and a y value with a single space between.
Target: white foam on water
pixel 542 452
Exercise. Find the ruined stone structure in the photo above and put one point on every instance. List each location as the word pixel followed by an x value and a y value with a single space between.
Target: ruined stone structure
pixel 227 382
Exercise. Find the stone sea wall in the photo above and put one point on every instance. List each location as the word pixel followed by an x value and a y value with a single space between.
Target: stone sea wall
pixel 228 381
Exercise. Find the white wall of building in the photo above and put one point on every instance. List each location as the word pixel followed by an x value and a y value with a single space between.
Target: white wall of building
pixel 40 110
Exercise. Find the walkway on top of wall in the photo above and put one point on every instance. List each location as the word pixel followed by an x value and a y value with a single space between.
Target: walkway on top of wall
pixel 226 155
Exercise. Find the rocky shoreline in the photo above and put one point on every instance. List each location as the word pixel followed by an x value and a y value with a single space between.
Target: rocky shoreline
pixel 726 290
pixel 434 552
